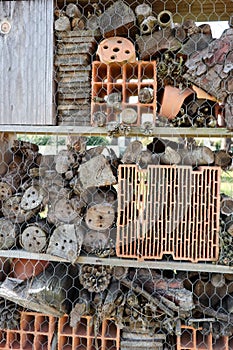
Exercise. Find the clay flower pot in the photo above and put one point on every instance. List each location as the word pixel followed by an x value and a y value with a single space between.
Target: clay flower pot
pixel 173 98
pixel 25 268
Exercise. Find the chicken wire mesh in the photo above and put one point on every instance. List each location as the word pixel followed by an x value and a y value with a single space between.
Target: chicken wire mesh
pixel 77 208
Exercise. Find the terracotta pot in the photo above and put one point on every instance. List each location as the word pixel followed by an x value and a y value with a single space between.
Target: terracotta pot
pixel 173 98
pixel 26 268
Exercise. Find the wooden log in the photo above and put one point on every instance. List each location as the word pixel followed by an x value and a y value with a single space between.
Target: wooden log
pixel 81 308
pixel 142 11
pixel 65 210
pixel 197 156
pixel 66 242
pixel 12 210
pixel 96 241
pixel 132 152
pixel 100 216
pixel 96 172
pixel 226 205
pixel 32 198
pixel 72 11
pixel 64 160
pixel 5 190
pixel 218 280
pixel 122 19
pixel 170 156
pixel 8 235
pixel 150 45
pixel 34 239
pixel 62 24
pixel 222 158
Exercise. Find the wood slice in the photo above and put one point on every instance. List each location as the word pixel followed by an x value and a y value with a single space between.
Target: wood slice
pixel 11 209
pixel 96 172
pixel 72 11
pixel 95 240
pixel 62 24
pixel 32 198
pixel 170 156
pixel 5 190
pixel 129 116
pixel 222 158
pixel 66 242
pixel 33 239
pixel 226 205
pixel 197 156
pixel 8 234
pixel 64 160
pixel 143 11
pixel 132 153
pixel 100 216
pixel 65 211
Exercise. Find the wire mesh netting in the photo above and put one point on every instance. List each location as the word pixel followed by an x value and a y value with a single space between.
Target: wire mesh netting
pixel 116 227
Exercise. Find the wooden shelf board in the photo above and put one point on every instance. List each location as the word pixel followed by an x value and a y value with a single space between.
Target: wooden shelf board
pixel 135 131
pixel 114 261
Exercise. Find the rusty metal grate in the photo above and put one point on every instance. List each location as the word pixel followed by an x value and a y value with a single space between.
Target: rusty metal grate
pixel 168 210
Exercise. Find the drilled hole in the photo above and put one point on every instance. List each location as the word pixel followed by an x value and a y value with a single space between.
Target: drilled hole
pixel 105 47
pixel 116 49
pixel 127 52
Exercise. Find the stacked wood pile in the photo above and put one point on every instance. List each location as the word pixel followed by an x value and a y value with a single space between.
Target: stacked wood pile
pixel 75 46
pixel 67 204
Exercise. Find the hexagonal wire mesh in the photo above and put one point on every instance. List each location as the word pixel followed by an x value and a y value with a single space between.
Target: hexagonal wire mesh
pixel 123 239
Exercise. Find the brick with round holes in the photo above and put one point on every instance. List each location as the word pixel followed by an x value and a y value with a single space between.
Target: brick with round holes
pixel 116 49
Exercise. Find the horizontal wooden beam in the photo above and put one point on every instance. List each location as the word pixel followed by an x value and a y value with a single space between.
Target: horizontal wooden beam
pixel 150 264
pixel 135 131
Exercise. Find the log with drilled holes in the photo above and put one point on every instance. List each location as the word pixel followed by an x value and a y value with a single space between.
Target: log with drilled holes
pixel 66 242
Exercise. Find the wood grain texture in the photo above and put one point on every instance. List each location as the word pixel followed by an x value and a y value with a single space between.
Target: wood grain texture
pixel 26 65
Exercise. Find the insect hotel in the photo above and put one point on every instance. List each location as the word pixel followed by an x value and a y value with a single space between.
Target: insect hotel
pixel 116 197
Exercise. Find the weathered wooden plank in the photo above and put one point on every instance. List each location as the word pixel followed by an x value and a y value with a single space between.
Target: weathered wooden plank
pixel 74 68
pixel 74 96
pixel 62 87
pixel 78 59
pixel 26 67
pixel 84 35
pixel 72 48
